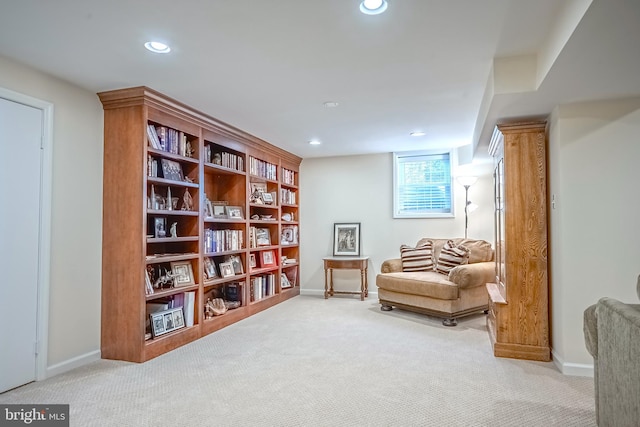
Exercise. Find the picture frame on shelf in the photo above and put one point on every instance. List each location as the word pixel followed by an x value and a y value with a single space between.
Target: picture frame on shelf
pixel 253 263
pixel 178 319
pixel 234 212
pixel 226 269
pixel 346 239
pixel 182 273
pixel 210 268
pixel 284 282
pixel 165 321
pixel 172 170
pixel 208 209
pixel 218 209
pixel 263 237
pixel 289 235
pixel 257 189
pixel 236 261
pixel 160 227
pixel 267 198
pixel 267 259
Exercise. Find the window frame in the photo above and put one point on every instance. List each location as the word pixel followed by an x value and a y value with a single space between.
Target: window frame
pixel 396 192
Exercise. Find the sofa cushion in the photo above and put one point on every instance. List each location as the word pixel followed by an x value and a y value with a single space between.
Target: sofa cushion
pixel 425 283
pixel 479 250
pixel 419 258
pixel 451 256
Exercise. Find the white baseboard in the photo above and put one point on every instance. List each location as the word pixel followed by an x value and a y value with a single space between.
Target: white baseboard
pixel 76 362
pixel 320 292
pixel 573 369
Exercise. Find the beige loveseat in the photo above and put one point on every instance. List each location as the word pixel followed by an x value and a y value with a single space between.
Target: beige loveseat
pixel 461 292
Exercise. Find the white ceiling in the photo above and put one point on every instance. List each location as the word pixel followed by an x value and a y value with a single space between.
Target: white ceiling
pixel 267 66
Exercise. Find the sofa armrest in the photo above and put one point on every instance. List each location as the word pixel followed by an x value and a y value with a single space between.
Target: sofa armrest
pixel 391 266
pixel 472 275
pixel 618 374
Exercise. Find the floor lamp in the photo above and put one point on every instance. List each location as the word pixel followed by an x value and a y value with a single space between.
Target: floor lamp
pixel 466 182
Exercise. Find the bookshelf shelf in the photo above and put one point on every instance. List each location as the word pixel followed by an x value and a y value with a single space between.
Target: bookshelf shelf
pixel 189 162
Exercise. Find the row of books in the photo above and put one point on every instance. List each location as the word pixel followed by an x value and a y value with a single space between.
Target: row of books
pixel 288 177
pixel 287 196
pixel 262 286
pixel 263 169
pixel 223 158
pixel 223 240
pixel 169 140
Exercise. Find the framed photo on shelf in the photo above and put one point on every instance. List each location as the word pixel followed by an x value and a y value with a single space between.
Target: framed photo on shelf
pixel 236 261
pixel 234 212
pixel 166 321
pixel 172 170
pixel 226 269
pixel 182 273
pixel 218 209
pixel 289 235
pixel 178 319
pixel 263 237
pixel 257 189
pixel 267 198
pixel 252 261
pixel 160 227
pixel 346 239
pixel 208 209
pixel 210 269
pixel 268 259
pixel 284 282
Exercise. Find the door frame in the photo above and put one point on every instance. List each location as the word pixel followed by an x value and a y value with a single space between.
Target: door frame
pixel 44 266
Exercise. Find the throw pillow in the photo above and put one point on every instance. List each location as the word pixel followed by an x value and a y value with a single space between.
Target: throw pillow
pixel 419 258
pixel 451 256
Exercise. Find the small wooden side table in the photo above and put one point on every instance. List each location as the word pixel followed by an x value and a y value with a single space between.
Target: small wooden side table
pixel 346 263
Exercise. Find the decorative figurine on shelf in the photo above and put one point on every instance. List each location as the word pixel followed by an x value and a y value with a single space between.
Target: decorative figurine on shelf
pixel 187 201
pixel 188 149
pixel 172 231
pixel 165 280
pixel 215 307
pixel 208 309
pixel 169 206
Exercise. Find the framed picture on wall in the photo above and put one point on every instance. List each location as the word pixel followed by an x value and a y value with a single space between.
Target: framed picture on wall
pixel 346 239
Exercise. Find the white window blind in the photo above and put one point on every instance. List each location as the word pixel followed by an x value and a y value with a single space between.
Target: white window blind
pixel 422 185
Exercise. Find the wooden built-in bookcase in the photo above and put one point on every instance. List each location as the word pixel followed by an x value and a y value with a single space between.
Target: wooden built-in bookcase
pixel 183 193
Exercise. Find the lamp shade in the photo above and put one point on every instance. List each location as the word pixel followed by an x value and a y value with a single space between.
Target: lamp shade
pixel 467 180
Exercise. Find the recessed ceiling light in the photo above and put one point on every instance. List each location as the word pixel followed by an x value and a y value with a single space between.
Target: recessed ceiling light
pixel 314 142
pixel 157 47
pixel 418 133
pixel 373 7
pixel 330 104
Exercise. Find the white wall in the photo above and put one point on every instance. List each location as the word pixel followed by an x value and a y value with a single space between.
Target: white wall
pixel 594 175
pixel 359 189
pixel 76 228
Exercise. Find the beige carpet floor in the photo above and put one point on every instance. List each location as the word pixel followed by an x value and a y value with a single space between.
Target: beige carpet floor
pixel 316 362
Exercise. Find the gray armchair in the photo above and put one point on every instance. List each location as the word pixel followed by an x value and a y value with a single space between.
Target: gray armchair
pixel 612 336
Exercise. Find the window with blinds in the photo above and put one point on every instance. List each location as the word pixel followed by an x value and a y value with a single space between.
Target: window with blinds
pixel 422 185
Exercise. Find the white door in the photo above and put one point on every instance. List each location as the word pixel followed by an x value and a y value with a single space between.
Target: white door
pixel 20 191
